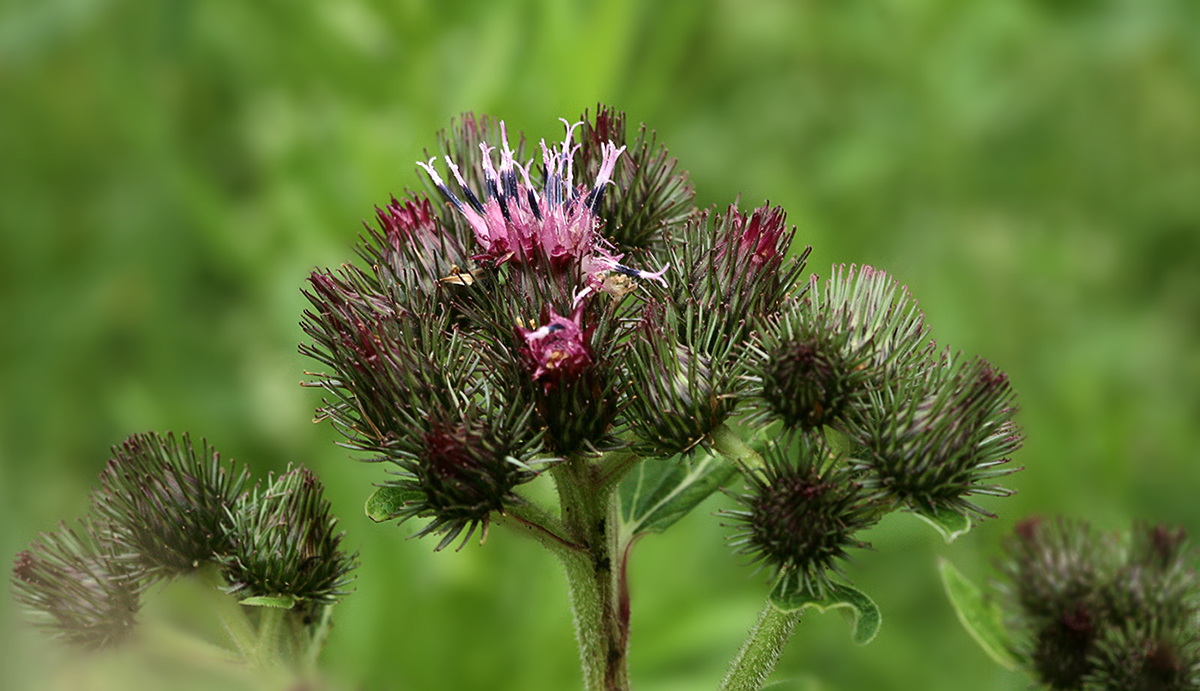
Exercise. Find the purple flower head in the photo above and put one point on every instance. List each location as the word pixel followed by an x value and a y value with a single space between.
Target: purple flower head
pixel 516 221
pixel 557 350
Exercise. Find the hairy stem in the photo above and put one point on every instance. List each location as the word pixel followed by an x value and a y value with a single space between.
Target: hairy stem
pixel 598 598
pixel 756 660
pixel 267 650
pixel 231 614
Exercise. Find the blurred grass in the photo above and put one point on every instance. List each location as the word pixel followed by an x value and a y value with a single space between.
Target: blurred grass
pixel 170 171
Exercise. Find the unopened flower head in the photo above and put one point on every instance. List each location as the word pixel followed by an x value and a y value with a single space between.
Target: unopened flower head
pixel 286 543
pixel 464 471
pixel 801 514
pixel 939 435
pixel 168 501
pixel 733 268
pixel 1133 657
pixel 1104 612
pixel 73 584
pixel 680 393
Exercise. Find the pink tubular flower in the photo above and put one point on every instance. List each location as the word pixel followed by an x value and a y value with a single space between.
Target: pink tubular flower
pixel 755 238
pixel 515 221
pixel 557 350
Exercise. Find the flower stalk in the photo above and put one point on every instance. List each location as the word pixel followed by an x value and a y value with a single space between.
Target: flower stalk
pixel 760 652
pixel 595 577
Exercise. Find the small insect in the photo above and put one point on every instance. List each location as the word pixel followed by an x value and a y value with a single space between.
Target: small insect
pixel 458 277
pixel 618 285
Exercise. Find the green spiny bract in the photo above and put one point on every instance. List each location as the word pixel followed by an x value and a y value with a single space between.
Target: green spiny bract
pixel 803 373
pixel 801 514
pixel 168 502
pixel 462 468
pixel 685 350
pixel 733 269
pixel 654 199
pixel 1145 657
pixel 1101 611
pixel 680 392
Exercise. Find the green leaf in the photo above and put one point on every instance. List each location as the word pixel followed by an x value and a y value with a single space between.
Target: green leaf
pixel 386 501
pixel 864 615
pixel 979 616
pixel 658 493
pixel 280 601
pixel 951 524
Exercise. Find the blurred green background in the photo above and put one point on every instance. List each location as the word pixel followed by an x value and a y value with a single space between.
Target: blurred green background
pixel 171 170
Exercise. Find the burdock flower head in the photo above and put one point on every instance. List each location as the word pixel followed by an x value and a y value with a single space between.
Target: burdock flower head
pixel 556 224
pixel 935 437
pixel 801 514
pixel 1104 612
pixel 733 268
pixel 285 544
pixel 462 470
pixel 681 391
pixel 168 501
pixel 75 584
pixel 817 359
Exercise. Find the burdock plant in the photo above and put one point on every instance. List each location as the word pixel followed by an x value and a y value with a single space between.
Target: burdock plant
pixel 566 310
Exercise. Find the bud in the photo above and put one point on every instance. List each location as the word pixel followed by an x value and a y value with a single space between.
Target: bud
pixel 679 393
pixel 801 514
pixel 464 470
pixel 167 502
pixel 389 367
pixel 1101 611
pixel 732 269
pixel 1130 657
pixel 78 586
pixel 285 544
pixel 651 198
pixel 937 436
pixel 880 317
pixel 802 373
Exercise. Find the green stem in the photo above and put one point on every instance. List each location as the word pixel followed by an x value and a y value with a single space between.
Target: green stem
pixel 531 520
pixel 758 655
pixel 599 599
pixel 267 650
pixel 316 641
pixel 231 614
pixel 756 660
pixel 615 466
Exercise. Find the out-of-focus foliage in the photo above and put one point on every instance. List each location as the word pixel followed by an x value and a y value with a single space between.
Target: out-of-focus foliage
pixel 171 170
